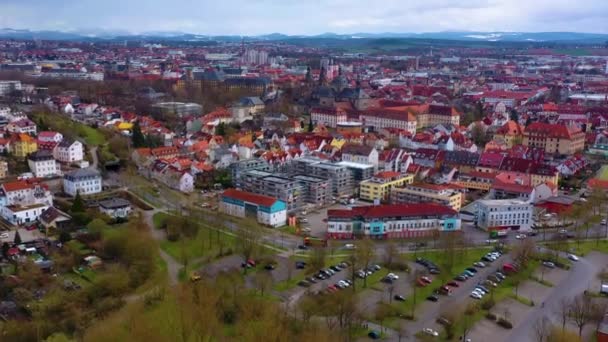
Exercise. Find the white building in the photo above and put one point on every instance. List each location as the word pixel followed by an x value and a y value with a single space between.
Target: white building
pixel 18 215
pixel 505 214
pixel 69 151
pixel 6 87
pixel 330 117
pixel 265 209
pixel 83 181
pixel 43 164
pixel 385 118
pixel 115 207
pixel 25 193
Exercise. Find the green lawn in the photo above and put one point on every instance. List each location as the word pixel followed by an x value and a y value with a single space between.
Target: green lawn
pixel 206 244
pixel 602 174
pixel 583 248
pixel 159 219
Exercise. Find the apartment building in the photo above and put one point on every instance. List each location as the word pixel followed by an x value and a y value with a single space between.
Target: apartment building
pixel 428 193
pixel 237 168
pixel 274 185
pixel 379 187
pixel 340 176
pixel 83 181
pixel 43 164
pixel 315 190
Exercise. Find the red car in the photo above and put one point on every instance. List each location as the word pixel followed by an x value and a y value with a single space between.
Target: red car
pixel 453 284
pixel 426 279
pixel 421 283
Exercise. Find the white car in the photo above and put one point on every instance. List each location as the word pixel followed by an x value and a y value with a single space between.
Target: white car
pixel 392 276
pixel 343 283
pixel 572 257
pixel 475 295
pixel 520 236
pixel 430 332
pixel 603 222
pixel 349 246
pixel 479 264
pixel 4 236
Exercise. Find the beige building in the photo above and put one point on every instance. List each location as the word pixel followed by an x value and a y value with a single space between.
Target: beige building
pixel 424 193
pixel 554 138
pixel 438 115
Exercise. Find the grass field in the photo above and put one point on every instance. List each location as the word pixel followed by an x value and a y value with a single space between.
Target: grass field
pixel 602 174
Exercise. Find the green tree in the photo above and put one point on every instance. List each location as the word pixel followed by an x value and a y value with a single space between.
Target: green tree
pixel 478 134
pixel 221 129
pixel 78 204
pixel 17 240
pixel 137 138
pixel 514 115
pixel 311 126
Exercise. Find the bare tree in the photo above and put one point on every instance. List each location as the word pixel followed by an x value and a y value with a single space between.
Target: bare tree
pixel 414 281
pixel 542 329
pixel 580 312
pixel 365 254
pixel 563 310
pixel 248 237
pixel 598 313
pixel 391 253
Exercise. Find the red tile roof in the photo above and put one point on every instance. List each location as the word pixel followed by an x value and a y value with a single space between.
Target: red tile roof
pixel 552 130
pixel 392 210
pixel 250 197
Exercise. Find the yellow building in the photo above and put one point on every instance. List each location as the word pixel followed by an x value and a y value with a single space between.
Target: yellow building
pixel 438 115
pixel 23 145
pixel 475 180
pixel 511 133
pixel 379 187
pixel 423 192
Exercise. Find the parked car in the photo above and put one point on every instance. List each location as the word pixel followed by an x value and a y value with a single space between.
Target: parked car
pixel 548 264
pixel 432 298
pixel 430 332
pixel 399 298
pixel 460 278
pixel 475 295
pixel 443 321
pixel 468 273
pixel 270 267
pixel 572 257
pixel 374 334
pixel 349 246
pixel 300 264
pixel 453 284
pixel 303 283
pixel 194 277
pixel 479 264
pixel 426 279
pixel 392 276
pixel 471 269
pixel 434 271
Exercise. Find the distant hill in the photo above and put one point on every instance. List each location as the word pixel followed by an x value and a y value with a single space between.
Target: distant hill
pixel 91 34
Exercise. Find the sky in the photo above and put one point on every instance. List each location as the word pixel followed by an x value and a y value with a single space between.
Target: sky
pixel 309 17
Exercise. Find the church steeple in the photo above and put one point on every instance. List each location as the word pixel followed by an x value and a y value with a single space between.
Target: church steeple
pixel 322 76
pixel 309 79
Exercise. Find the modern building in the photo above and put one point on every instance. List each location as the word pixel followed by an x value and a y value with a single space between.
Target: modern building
pixel 428 193
pixel 286 189
pixel 554 138
pixel 43 164
pixel 400 221
pixel 503 214
pixel 83 181
pixel 244 165
pixel 264 209
pixel 378 188
pixel 180 109
pixel 115 207
pixel 341 177
pixel 315 190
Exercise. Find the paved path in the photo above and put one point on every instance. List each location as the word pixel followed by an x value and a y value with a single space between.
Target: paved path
pixel 579 279
pixel 93 152
pixel 173 266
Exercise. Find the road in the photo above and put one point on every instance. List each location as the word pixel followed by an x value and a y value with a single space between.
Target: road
pixel 94 157
pixel 173 266
pixel 581 274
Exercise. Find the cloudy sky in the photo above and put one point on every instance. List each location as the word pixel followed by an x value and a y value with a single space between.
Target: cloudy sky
pixel 251 17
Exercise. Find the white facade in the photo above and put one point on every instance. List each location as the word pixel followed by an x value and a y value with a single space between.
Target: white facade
pixel 23 194
pixel 50 137
pixel 327 118
pixel 19 215
pixel 83 181
pixel 70 153
pixel 371 159
pixel 186 183
pixel 514 214
pixel 275 219
pixel 6 87
pixel 380 121
pixel 44 168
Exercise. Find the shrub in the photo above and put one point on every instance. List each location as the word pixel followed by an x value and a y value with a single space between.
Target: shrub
pixel 491 316
pixel 488 304
pixel 504 323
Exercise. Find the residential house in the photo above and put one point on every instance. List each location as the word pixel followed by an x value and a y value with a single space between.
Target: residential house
pixel 69 151
pixel 3 169
pixel 49 136
pixel 115 207
pixel 489 162
pixel 84 181
pixel 463 160
pixel 512 133
pixel 43 164
pixel 22 214
pixel 25 193
pixel 23 144
pixel 22 126
pixel 360 154
pixel 53 218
